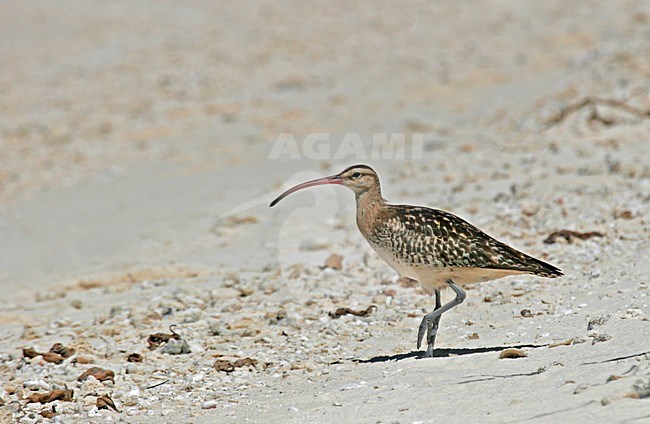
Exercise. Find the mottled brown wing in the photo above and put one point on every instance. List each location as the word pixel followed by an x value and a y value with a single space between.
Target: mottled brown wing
pixel 433 237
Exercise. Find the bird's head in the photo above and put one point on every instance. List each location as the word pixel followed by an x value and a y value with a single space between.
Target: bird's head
pixel 358 178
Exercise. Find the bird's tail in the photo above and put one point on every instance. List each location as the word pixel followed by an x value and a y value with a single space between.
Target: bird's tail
pixel 544 269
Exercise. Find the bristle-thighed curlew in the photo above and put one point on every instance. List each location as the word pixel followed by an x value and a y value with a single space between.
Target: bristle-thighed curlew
pixel 434 247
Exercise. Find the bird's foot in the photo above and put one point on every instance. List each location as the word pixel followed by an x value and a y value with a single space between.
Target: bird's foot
pixel 433 332
pixel 425 325
pixel 429 352
pixel 431 326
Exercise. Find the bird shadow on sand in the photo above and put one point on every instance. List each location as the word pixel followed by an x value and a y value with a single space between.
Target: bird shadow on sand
pixel 443 353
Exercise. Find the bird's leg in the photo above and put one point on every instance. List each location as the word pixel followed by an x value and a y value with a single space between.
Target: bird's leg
pixel 432 327
pixel 433 317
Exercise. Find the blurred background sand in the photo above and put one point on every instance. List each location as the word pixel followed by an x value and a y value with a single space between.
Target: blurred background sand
pixel 125 127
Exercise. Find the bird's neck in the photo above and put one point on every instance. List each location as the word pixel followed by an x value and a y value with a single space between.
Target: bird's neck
pixel 369 208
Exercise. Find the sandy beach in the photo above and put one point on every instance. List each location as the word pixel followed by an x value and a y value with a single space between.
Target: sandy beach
pixel 141 145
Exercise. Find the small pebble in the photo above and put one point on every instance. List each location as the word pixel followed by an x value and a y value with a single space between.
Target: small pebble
pixel 210 404
pixel 512 354
pixel 530 208
pixel 176 347
pixel 37 385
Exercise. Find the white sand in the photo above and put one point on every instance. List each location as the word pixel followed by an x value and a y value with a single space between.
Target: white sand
pixel 128 131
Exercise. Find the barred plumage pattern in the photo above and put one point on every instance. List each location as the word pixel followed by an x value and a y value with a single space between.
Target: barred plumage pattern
pixel 419 236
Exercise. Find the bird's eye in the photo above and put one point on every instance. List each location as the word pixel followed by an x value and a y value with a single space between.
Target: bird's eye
pixel 356 175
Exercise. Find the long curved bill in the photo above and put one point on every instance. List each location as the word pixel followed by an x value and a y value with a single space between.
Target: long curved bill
pixel 334 179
